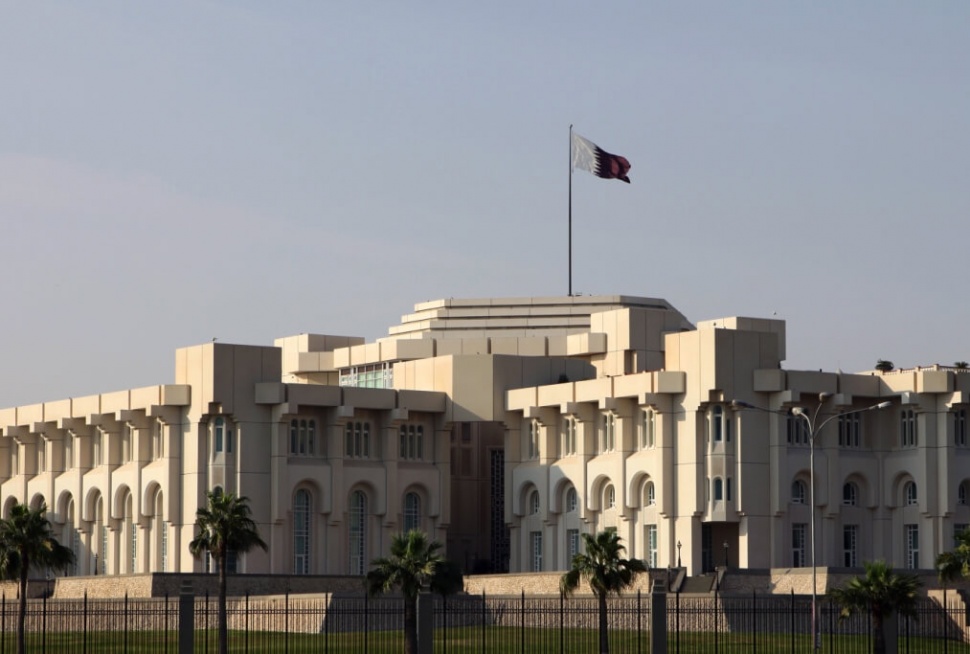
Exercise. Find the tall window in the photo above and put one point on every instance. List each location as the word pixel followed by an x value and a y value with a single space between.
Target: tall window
pixel 158 440
pixel 652 546
pixel 911 536
pixel 850 545
pixel 572 500
pixel 534 503
pixel 301 532
pixel 302 437
pixel 69 536
pixel 412 512
pixel 957 530
pixel 850 494
pixel 608 433
pixel 357 436
pixel 532 434
pixel 126 443
pixel 572 544
pixel 536 543
pixel 568 435
pixel 158 532
pixel 797 428
pixel 718 489
pixel 651 494
pixel 908 436
pixel 909 493
pixel 14 458
pixel 358 533
pixel 648 428
pixel 717 423
pixel 959 427
pixel 850 430
pixel 962 493
pixel 96 437
pixel 610 497
pixel 798 531
pixel 41 455
pixel 131 531
pixel 69 450
pixel 798 492
pixel 220 434
pixel 412 442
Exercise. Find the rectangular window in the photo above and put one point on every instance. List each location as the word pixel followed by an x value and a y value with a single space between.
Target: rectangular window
pixel 798 540
pixel 797 428
pixel 957 530
pixel 652 542
pixel 536 542
pixel 219 434
pixel 850 544
pixel 357 436
pixel 608 435
pixel 908 429
pixel 41 455
pixel 68 451
pixel 648 426
pixel 960 427
pixel 911 536
pixel 850 431
pixel 572 545
pixel 568 436
pixel 158 440
pixel 532 436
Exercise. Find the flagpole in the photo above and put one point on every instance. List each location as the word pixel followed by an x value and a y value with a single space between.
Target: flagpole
pixel 570 211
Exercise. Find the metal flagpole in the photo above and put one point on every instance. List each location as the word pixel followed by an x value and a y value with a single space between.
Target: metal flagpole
pixel 570 211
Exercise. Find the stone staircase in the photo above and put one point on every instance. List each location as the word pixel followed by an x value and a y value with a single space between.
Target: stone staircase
pixel 699 584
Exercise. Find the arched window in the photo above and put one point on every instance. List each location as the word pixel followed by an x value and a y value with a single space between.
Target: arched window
pixel 850 494
pixel 718 489
pixel 219 433
pixel 962 493
pixel 412 512
pixel 301 532
pixel 131 536
pixel 534 503
pixel 651 494
pixel 358 533
pixel 69 536
pixel 610 497
pixel 572 500
pixel 909 493
pixel 798 492
pixel 159 534
pixel 717 423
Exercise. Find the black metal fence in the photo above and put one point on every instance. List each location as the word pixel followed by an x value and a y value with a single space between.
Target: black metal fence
pixel 473 624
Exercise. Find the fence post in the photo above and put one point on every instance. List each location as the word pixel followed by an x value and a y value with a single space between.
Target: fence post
pixel 43 639
pixel 84 637
pixel 484 615
pixel 522 623
pixel 425 623
pixel 658 618
pixel 186 618
pixel 890 632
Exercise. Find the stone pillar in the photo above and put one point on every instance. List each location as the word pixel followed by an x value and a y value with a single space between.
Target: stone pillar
pixel 186 618
pixel 425 623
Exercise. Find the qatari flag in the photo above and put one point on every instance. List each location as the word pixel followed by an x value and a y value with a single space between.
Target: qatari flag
pixel 590 157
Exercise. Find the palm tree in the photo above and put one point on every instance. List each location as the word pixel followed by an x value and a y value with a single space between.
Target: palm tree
pixel 606 572
pixel 225 527
pixel 26 540
pixel 880 591
pixel 414 564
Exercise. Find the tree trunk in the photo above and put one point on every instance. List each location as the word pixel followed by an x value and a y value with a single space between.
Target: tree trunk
pixel 22 615
pixel 604 638
pixel 410 625
pixel 223 617
pixel 878 634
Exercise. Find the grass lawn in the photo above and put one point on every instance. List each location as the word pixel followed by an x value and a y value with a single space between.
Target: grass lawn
pixel 456 640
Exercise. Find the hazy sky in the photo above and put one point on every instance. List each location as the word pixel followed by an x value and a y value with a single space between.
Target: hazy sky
pixel 173 172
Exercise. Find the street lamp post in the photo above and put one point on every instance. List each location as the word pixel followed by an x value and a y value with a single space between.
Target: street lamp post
pixel 814 428
pixel 678 554
pixel 725 555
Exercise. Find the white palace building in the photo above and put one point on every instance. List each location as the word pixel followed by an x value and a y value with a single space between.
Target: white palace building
pixel 506 428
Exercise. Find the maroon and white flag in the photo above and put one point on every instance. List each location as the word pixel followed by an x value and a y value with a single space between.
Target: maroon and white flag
pixel 590 157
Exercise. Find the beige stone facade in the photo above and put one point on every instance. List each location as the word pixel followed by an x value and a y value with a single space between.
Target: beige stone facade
pixel 505 428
